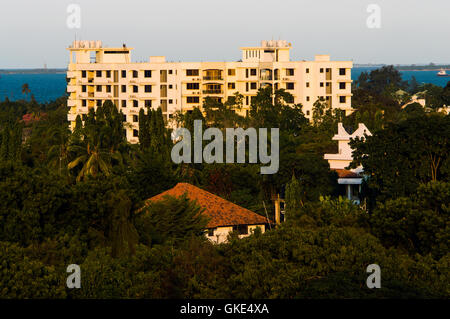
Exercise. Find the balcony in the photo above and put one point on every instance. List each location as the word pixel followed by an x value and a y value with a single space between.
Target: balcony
pixel 71 103
pixel 213 78
pixel 71 117
pixel 212 92
pixel 71 88
pixel 71 74
pixel 266 78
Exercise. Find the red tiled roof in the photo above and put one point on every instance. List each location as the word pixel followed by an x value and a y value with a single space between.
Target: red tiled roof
pixel 345 173
pixel 220 211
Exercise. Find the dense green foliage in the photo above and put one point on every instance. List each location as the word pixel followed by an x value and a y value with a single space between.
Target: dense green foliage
pixel 78 197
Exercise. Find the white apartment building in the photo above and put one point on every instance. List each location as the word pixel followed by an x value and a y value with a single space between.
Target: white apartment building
pixel 96 74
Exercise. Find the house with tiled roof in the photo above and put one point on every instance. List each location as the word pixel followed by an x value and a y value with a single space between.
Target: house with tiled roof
pixel 224 216
pixel 350 179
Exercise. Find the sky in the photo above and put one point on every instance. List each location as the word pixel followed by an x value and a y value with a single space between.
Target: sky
pixel 34 33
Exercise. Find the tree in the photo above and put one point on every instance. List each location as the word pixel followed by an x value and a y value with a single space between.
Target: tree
pixel 420 223
pixel 401 156
pixel 102 143
pixel 433 96
pixel 223 115
pixel 413 85
pixel 293 198
pixel 170 220
pixel 26 89
pixel 122 233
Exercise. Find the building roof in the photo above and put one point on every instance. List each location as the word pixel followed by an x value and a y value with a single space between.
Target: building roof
pixel 345 173
pixel 220 211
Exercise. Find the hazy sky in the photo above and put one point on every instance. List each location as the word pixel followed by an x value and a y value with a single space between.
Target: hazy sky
pixel 34 32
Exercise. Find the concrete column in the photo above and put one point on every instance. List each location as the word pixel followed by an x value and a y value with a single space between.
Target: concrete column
pixel 349 191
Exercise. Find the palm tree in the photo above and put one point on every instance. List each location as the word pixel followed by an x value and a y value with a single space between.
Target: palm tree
pixel 93 158
pixel 58 153
pixel 26 89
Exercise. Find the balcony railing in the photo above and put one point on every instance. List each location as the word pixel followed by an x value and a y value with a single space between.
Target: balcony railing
pixel 212 91
pixel 213 78
pixel 266 77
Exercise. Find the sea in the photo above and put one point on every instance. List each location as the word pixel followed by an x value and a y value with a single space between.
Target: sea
pixel 47 87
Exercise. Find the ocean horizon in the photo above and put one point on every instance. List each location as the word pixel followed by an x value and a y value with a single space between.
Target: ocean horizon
pixel 46 87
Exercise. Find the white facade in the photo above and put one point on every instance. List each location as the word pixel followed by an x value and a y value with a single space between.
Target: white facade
pixel 344 157
pixel 97 74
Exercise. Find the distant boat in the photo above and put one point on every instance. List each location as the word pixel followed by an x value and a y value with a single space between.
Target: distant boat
pixel 442 73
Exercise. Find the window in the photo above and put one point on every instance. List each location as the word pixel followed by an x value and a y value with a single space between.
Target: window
pixel 290 86
pixel 246 86
pixel 192 72
pixel 99 102
pixel 83 88
pixel 307 70
pixel 135 89
pixel 124 103
pixel 246 100
pixel 135 74
pixel 341 71
pixel 108 74
pixel 231 72
pixel 135 103
pixel 342 85
pixel 231 86
pixel 307 84
pixel 321 70
pixel 99 88
pixel 148 89
pixel 124 74
pixel 307 99
pixel 148 103
pixel 321 84
pixel 193 99
pixel 98 74
pixel 307 112
pixel 193 86
pixel 211 231
pixel 170 86
pixel 252 72
pixel 148 73
pixel 83 74
pixel 135 133
pixel 246 73
pixel 170 101
pixel 83 103
pixel 170 71
pixel 124 118
pixel 124 88
pixel 289 72
pixel 342 99
pixel 135 118
pixel 108 89
pixel 253 85
pixel 241 229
